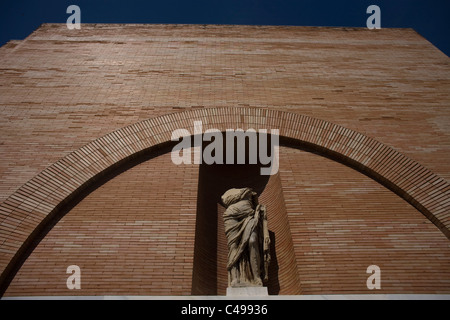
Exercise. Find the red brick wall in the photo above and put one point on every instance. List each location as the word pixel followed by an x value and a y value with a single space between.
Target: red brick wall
pixel 283 270
pixel 60 90
pixel 342 222
pixel 129 237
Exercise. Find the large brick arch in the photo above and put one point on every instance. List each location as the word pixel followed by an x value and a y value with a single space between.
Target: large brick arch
pixel 30 208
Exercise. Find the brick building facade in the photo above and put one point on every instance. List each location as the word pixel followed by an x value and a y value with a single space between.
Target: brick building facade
pixel 86 176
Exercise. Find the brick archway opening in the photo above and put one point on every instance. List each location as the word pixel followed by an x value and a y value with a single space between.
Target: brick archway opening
pixel 209 275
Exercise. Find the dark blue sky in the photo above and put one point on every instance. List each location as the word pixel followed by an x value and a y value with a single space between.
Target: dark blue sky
pixel 431 18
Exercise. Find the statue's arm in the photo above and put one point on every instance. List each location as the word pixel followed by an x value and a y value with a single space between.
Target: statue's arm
pixel 266 242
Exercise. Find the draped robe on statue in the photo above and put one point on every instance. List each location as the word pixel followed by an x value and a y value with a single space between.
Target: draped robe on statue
pixel 247 237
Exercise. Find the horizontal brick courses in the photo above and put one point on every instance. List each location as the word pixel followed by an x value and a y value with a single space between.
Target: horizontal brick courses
pixel 374 100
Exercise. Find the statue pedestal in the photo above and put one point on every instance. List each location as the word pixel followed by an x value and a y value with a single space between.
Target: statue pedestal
pixel 247 292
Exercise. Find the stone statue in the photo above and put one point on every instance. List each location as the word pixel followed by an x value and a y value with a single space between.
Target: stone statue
pixel 247 237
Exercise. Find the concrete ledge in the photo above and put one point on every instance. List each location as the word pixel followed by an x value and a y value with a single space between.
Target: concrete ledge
pixel 250 292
